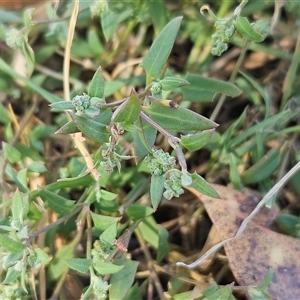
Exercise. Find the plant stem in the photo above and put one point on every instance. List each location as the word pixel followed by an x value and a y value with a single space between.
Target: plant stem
pixel 59 221
pixel 222 99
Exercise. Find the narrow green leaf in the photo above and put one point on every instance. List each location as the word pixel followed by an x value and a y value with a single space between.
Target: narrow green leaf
pixel 96 86
pixel 22 177
pixel 57 203
pixel 80 265
pixel 163 245
pixel 235 177
pixel 11 153
pixel 128 111
pixel 10 244
pixel 104 268
pixel 170 83
pixel 179 119
pixel 42 256
pixel 12 259
pixel 156 190
pixel 202 89
pixel 263 168
pixel 244 27
pixel 29 56
pixel 135 292
pixel 11 275
pixel 202 186
pixel 108 23
pixel 57 268
pixel 136 211
pixel 68 128
pixel 91 128
pixel 20 206
pixel 63 105
pixel 143 139
pixel 160 50
pixel 118 286
pixel 4 115
pixel 149 231
pixel 37 167
pixel 158 13
pixel 27 17
pixel 103 222
pixel 196 141
pixel 109 234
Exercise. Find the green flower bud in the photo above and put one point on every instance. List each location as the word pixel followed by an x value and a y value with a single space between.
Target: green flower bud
pixel 14 38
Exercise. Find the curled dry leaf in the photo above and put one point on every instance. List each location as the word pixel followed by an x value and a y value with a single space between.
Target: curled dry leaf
pixel 258 248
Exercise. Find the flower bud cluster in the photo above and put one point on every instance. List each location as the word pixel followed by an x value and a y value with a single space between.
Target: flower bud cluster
pixel 14 38
pixel 223 35
pixel 173 185
pixel 81 102
pixel 98 7
pixel 159 162
pixel 156 90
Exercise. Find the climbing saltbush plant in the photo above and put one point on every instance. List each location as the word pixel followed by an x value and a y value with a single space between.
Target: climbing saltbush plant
pixel 139 118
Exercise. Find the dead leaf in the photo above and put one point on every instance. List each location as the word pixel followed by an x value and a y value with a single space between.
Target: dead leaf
pixel 258 248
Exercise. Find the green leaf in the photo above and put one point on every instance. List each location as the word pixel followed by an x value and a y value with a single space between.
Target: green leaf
pixel 202 89
pixel 12 259
pixel 243 26
pixel 63 105
pixel 196 141
pixel 160 50
pixel 235 177
pixel 68 128
pixel 136 211
pixel 10 244
pixel 11 275
pixel 287 223
pixel 96 86
pixel 29 56
pixel 149 231
pixel 135 292
pixel 80 265
pixel 57 203
pixel 263 168
pixel 156 190
pixel 37 167
pixel 170 83
pixel 222 292
pixel 27 17
pixel 163 245
pixel 203 186
pixel 129 111
pixel 104 268
pixel 57 268
pixel 109 234
pixel 42 256
pixel 91 128
pixel 118 286
pixel 158 13
pixel 179 119
pixel 103 222
pixel 11 153
pixel 108 23
pixel 145 135
pixel 20 206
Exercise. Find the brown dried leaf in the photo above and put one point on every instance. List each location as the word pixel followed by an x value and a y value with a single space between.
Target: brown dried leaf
pixel 258 248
